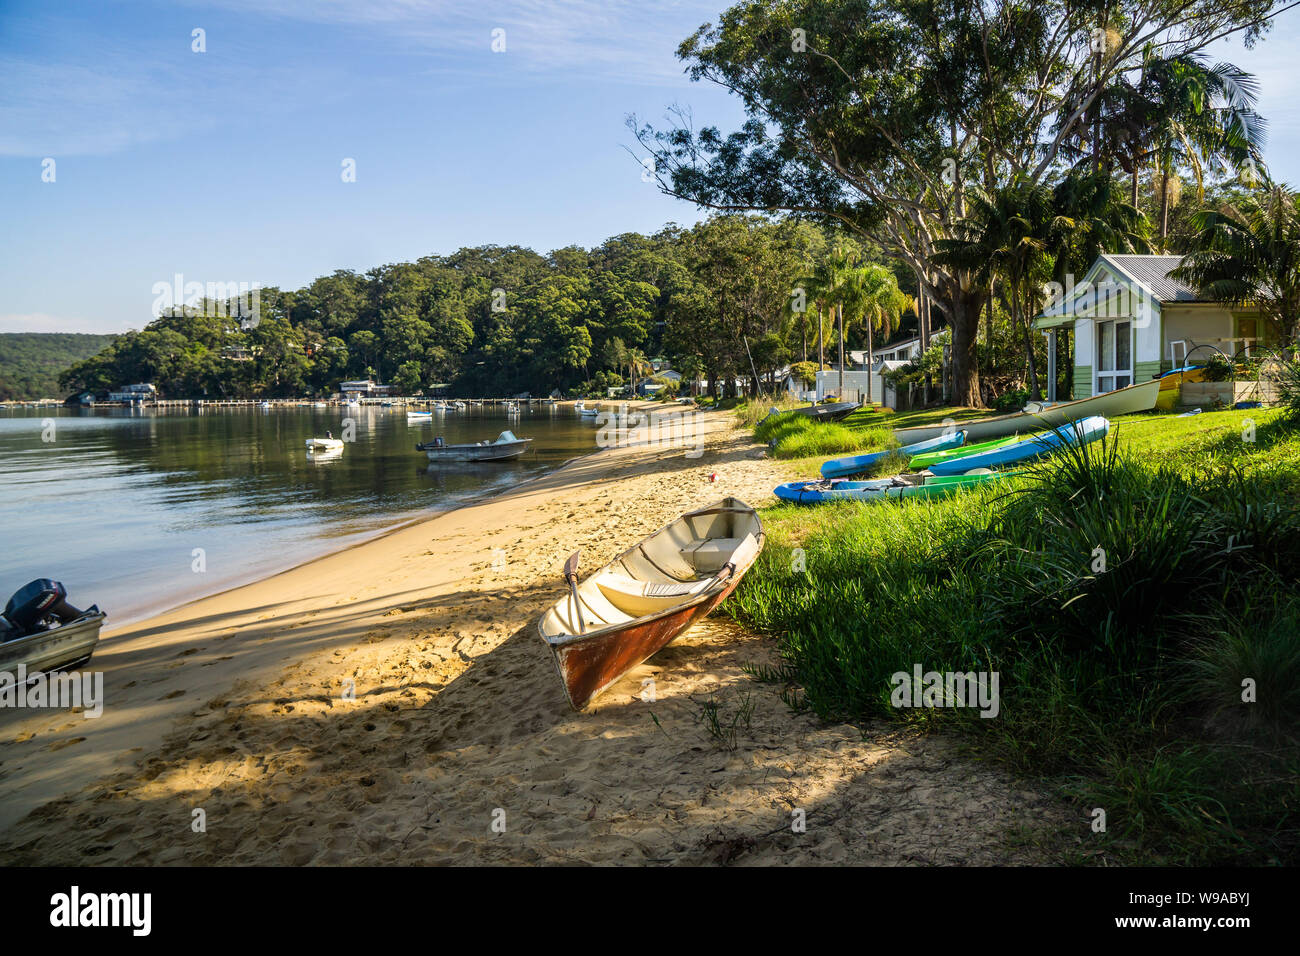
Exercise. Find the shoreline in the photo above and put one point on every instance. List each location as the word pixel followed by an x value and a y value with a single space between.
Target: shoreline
pixel 238 704
pixel 362 538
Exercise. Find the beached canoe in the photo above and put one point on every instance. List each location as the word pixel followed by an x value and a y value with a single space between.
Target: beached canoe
pixel 644 598
pixel 880 489
pixel 922 461
pixel 831 412
pixel 1027 449
pixel 1122 401
pixel 856 465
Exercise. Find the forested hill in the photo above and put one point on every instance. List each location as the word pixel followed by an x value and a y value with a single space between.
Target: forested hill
pixel 716 300
pixel 30 362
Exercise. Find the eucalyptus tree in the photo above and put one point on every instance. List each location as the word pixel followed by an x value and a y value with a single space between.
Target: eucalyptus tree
pixel 879 114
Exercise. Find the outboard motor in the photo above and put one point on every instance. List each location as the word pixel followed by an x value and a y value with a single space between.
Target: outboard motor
pixel 39 606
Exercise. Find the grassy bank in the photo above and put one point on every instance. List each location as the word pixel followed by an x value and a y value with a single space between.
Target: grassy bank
pixel 1123 594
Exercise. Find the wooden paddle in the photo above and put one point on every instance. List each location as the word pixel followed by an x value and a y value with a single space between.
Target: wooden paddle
pixel 571 575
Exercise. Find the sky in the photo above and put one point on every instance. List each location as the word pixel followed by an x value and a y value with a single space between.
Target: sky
pixel 227 165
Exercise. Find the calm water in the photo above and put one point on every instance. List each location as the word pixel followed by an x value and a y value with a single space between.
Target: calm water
pixel 115 506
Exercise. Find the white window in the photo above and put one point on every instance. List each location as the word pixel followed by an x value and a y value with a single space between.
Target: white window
pixel 1114 355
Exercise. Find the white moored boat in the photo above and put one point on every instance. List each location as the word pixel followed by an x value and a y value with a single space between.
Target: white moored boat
pixel 319 445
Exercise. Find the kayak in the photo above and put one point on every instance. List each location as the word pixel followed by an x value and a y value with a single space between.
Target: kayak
pixel 926 460
pixel 1122 401
pixel 840 467
pixel 878 489
pixel 1076 433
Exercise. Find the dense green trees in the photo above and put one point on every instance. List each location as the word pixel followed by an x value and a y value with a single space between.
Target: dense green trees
pixel 501 320
pixel 30 362
pixel 880 114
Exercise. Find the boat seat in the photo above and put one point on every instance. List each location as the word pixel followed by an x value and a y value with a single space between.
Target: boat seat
pixel 709 556
pixel 646 597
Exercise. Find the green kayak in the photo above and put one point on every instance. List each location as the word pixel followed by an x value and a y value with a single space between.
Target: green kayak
pixel 929 458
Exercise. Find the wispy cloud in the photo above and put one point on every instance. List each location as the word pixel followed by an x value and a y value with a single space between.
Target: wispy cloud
pixel 626 40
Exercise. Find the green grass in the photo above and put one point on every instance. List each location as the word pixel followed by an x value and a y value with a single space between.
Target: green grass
pixel 1121 682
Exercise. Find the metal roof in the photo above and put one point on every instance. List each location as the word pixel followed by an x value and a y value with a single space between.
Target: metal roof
pixel 1153 273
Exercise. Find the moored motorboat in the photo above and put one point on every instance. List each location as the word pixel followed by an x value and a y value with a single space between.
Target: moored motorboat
pixel 506 447
pixel 416 418
pixel 643 599
pixel 41 632
pixel 327 444
pixel 1122 401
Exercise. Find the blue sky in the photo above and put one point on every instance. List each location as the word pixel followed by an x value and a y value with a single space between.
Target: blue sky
pixel 225 165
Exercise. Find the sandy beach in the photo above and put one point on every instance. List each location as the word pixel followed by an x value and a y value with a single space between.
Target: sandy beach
pixel 459 746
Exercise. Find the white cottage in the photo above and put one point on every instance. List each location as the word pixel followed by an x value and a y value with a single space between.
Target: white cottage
pixel 1132 321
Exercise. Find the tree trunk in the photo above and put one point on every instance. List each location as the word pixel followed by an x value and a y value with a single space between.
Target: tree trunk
pixel 839 312
pixel 870 362
pixel 1164 207
pixel 963 309
pixel 1035 390
pixel 1133 188
pixel 821 340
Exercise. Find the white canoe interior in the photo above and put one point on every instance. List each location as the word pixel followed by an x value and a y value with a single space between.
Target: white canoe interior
pixel 683 563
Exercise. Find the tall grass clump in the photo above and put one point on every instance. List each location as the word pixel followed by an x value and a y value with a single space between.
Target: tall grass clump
pixel 1123 599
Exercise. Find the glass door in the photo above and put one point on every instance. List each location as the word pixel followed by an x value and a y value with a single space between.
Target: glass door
pixel 1114 355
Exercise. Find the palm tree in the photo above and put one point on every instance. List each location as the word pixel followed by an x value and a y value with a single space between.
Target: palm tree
pixel 1250 255
pixel 691 368
pixel 1005 239
pixel 820 288
pixel 1177 112
pixel 873 294
pixel 637 364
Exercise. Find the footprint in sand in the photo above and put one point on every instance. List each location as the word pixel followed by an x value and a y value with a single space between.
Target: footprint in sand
pixel 60 744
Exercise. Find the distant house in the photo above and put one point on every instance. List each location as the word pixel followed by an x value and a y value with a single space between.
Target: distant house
pixel 1131 320
pixel 134 394
pixel 857 374
pixel 366 387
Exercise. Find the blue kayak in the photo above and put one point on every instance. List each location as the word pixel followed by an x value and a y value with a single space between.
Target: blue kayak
pixel 1076 433
pixel 839 467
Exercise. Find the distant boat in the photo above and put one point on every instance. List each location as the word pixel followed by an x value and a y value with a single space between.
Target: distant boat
pixel 318 445
pixel 506 447
pixel 418 417
pixel 40 631
pixel 264 405
pixel 831 412
pixel 639 602
pixel 320 405
pixel 460 406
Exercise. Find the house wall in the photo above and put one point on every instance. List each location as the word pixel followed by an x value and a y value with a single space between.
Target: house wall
pixel 1199 323
pixel 855 385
